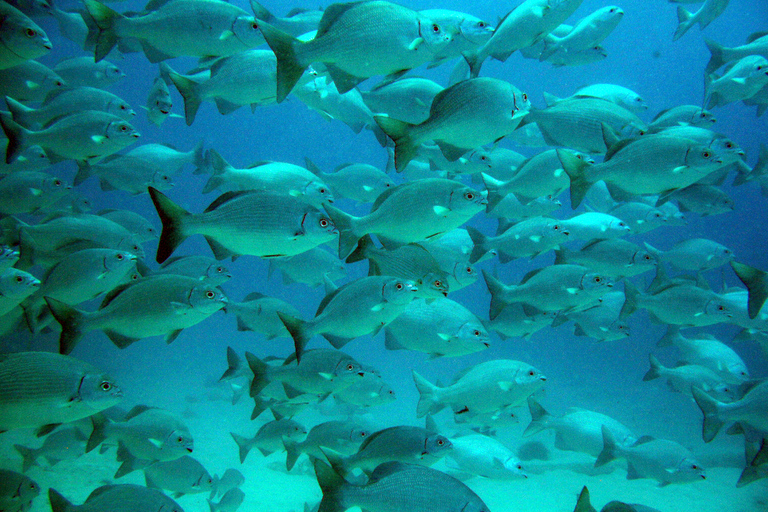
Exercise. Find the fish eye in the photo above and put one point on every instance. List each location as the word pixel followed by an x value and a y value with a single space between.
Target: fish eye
pixel 350 367
pixel 580 157
pixel 729 145
pixel 469 196
pixel 19 279
pixel 657 215
pixel 481 24
pixel 119 257
pixel 519 466
pixel 706 154
pixel 468 270
pixel 255 26
pixel 387 184
pixel 531 373
pixel 702 115
pixel 647 257
pixel 484 158
pixel 598 279
pixel 57 183
pixel 179 439
pixel 322 190
pixel 106 386
pixel 525 97
pixel 210 294
pixel 123 128
pixel 399 286
pixel 720 308
pixel 219 269
pixel 476 332
pixel 440 442
pixel 435 28
pixel 556 227
pixel 30 32
pixel 324 223
pixel 438 283
pixel 694 466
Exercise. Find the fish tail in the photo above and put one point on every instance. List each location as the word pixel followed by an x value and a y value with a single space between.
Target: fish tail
pixel 575 168
pixel 428 402
pixel 495 194
pixel 244 445
pixel 18 137
pixel 655 371
pixel 583 504
pixel 105 18
pixel 673 333
pixel 172 216
pixel 298 331
pixel 28 455
pixel 200 159
pixel 289 67
pixel 400 133
pixel 631 294
pixel 260 376
pixel 756 282
pixel 190 91
pixel 331 484
pixel 480 244
pixel 474 61
pixel 364 245
pixel 711 409
pixel 84 171
pixel 497 290
pixel 58 502
pixel 609 448
pixel 716 60
pixel 684 23
pixel 749 475
pixel 234 364
pixel 98 434
pixel 71 320
pixel 217 166
pixel 19 112
pixel 292 452
pixel 346 224
pixel 212 505
pixel 539 418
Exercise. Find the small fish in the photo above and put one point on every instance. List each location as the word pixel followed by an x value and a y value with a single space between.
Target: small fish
pixel 706 14
pixel 614 257
pixel 521 320
pixel 360 182
pixel 602 321
pixel 29 81
pixel 181 476
pixel 84 71
pixel 258 313
pixel 65 443
pixel 595 225
pixel 622 96
pixel 170 158
pixel 683 115
pixel 42 389
pixel 231 479
pixel 22 39
pixel 116 497
pixel 757 44
pixel 341 436
pixel 406 99
pixel 135 223
pixel 678 304
pixel 529 237
pixel 16 491
pixel 15 286
pixel 229 502
pixel 589 32
pixel 30 192
pixel 482 455
pixel 126 173
pixel 699 254
pixel 269 438
pixel 742 81
pixel 749 410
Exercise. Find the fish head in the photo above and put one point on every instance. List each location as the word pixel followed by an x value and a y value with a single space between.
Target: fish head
pixel 643 257
pixel 121 109
pixel 618 329
pixel 730 151
pixel 358 434
pixel 180 441
pixel 217 274
pixel 514 468
pixel 36 157
pixel 435 36
pixel 702 118
pixel 718 309
pixel 17 284
pixel 464 273
pixel 556 230
pixel 161 181
pixel 521 104
pixel 689 470
pixel 758 69
pixel 348 368
pixel 584 157
pixel 99 391
pixel 207 298
pixel 24 37
pixel 131 245
pixel 316 193
pixel 399 291
pixel 247 31
pixel 474 336
pixel 56 186
pixel 111 72
pixel 701 156
pixel 529 377
pixel 466 200
pixel 8 256
pixel 433 285
pixel 436 445
pixel 121 132
pixel 318 225
pixel 609 14
pixel 119 261
pixel 595 284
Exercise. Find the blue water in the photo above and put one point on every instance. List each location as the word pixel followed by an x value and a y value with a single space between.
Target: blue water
pixel 605 377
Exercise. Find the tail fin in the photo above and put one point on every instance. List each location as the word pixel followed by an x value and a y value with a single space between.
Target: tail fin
pixel 756 282
pixel 345 223
pixel 575 168
pixel 29 456
pixel 364 245
pixel 18 137
pixel 259 369
pixel 98 434
pixel 684 23
pixel 298 331
pixel 200 159
pixel 631 295
pixel 497 290
pixel 71 321
pixel 190 91
pixel 19 112
pixel 428 402
pixel 234 365
pixel 330 483
pixel 217 166
pixel 655 370
pixel 609 448
pixel 710 408
pixel 716 61
pixel 293 451
pixel 480 244
pixel 105 18
pixel 58 502
pixel 289 68
pixel 495 191
pixel 398 131
pixel 539 418
pixel 172 217
pixel 749 475
pixel 583 504
pixel 244 445
pixel 673 332
pixel 84 171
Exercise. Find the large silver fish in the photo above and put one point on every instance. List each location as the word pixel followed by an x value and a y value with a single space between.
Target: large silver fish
pixel 21 39
pixel 116 498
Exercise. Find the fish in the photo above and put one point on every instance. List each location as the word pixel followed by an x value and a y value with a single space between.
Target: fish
pixel 602 321
pixel 558 287
pixel 43 389
pixel 407 99
pixel 322 371
pixel 595 225
pixel 440 328
pixel 359 182
pixel 484 387
pixel 185 475
pixel 152 306
pixel 395 486
pixel 22 39
pixel 29 81
pixel 17 491
pixel 757 44
pixel 708 351
pixel 30 192
pixel 229 502
pixel 352 49
pixel 170 158
pixel 707 13
pixel 665 461
pixel 254 222
pixel 64 443
pixel 683 115
pixel 145 435
pixel 589 32
pixel 159 102
pixel 485 456
pixel 135 223
pixel 702 199
pixel 68 101
pixel 697 254
pixel 369 391
pixel 756 281
pixel 521 320
pixel 578 430
pixel 15 286
pixel 90 135
pixel 123 172
pixel 269 437
pixel 529 237
pixel 312 267
pixel 640 217
pixel 341 436
pixel 742 81
pixel 231 479
pixel 245 78
pixel 406 444
pixel 32 158
pixel 119 498
pixel 258 313
pixel 462 117
pixel 614 257
pixel 679 304
pixel 468 32
pixel 412 212
pixel 203 268
pixel 622 96
pixel 749 410
pixel 275 177
pixel 178 28
pixel 683 377
pixel 86 71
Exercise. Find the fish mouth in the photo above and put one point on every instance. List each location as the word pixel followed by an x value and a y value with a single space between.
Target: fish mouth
pixel 189 450
pixel 487 345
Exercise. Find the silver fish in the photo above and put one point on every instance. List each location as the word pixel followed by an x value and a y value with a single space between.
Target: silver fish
pixel 22 39
pixel 117 498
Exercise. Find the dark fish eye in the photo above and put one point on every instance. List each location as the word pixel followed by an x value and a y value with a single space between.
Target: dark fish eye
pixel 469 196
pixel 598 279
pixel 440 442
pixel 720 308
pixel 525 97
pixel 19 279
pixel 702 115
pixel 179 439
pixel 322 191
pixel 481 24
pixel 255 26
pixel 728 145
pixel 556 227
pixel 324 223
pixel 580 157
pixel 210 294
pixel 399 286
pixel 123 128
pixel 57 183
pixel 435 28
pixel 350 367
pixel 106 386
pixel 695 466
pixel 468 270
pixel 387 184
pixel 391 392
pixel 31 32
pixel 219 269
pixel 119 257
pixel 706 154
pixel 438 283
pixel 531 373
pixel 476 332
